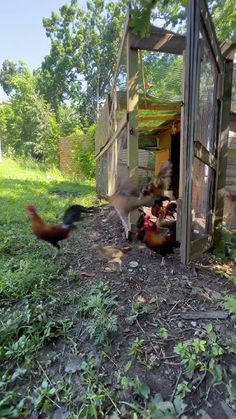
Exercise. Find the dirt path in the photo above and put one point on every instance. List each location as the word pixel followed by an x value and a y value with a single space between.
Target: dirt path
pixel 152 306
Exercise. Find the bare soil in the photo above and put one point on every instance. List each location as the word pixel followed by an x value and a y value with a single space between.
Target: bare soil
pixel 167 291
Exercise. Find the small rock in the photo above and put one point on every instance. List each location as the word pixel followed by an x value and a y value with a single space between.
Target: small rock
pixel 133 264
pixel 194 324
pixel 130 320
pixel 73 366
pixel 153 300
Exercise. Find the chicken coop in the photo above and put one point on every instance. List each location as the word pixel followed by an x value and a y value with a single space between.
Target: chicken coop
pixel 138 130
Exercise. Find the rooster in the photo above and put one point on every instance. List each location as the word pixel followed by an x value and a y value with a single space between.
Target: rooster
pixel 160 237
pixel 55 233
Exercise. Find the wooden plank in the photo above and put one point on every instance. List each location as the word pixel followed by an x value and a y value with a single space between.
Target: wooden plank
pixel 175 45
pixel 204 155
pixel 132 108
pixel 179 200
pixel 192 70
pixel 222 149
pixel 146 168
pixel 159 118
pixel 153 128
pixel 156 107
pixel 121 126
pixel 197 315
pixel 166 38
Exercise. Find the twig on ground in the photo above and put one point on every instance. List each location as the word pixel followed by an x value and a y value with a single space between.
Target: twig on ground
pixel 153 347
pixel 176 385
pixel 50 382
pixel 174 307
pixel 200 381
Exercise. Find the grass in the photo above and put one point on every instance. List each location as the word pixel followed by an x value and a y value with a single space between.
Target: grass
pixel 48 322
pixel 29 298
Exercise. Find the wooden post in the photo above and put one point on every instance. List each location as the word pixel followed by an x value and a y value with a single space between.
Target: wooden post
pixel 223 148
pixel 181 179
pixel 132 109
pixel 192 70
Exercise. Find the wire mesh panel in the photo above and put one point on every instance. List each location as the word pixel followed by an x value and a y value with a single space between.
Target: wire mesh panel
pixel 207 109
pixel 118 105
pixel 146 166
pixel 103 130
pixel 204 70
pixel 122 158
pixel 102 174
pixel 202 199
pixel 117 162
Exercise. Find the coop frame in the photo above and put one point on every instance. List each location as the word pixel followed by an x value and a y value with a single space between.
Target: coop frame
pixel 114 131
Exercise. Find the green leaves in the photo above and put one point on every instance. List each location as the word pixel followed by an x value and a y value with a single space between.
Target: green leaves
pixel 84 47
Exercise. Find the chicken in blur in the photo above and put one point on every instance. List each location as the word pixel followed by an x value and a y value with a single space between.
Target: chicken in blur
pixel 128 198
pixel 55 233
pixel 113 254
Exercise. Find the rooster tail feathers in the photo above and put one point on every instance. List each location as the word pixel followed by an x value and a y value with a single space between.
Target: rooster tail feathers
pixel 73 214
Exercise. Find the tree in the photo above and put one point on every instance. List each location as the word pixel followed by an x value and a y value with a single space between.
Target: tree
pixel 83 55
pixel 7 73
pixel 28 125
pixel 173 12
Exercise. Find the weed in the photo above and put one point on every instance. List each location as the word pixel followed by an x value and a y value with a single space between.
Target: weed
pixel 97 308
pixel 158 408
pixel 229 304
pixel 26 330
pixel 136 348
pixel 44 395
pixel 162 333
pixel 201 354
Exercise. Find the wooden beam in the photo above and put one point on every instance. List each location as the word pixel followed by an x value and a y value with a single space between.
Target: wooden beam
pixel 192 70
pixel 132 108
pixel 155 107
pixel 204 155
pixel 155 128
pixel 166 38
pixel 223 148
pixel 179 200
pixel 159 118
pixel 146 168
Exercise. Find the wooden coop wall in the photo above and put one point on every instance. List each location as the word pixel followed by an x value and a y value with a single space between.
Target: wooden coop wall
pixel 230 187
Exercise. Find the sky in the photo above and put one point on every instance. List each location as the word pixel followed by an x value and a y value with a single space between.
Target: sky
pixel 22 33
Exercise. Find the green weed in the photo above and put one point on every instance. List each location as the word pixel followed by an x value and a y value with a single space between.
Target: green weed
pixel 97 307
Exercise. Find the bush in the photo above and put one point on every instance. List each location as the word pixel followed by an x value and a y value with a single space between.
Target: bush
pixel 84 153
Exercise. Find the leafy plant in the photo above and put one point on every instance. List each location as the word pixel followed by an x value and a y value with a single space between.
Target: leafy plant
pixel 163 333
pixel 97 308
pixel 229 303
pixel 202 354
pixel 159 409
pixel 137 347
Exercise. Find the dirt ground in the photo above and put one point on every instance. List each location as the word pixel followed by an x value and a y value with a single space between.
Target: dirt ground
pixel 167 293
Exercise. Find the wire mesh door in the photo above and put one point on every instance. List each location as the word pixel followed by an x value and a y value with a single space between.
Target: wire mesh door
pixel 203 74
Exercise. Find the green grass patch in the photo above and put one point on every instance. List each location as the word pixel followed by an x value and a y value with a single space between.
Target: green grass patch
pixel 28 274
